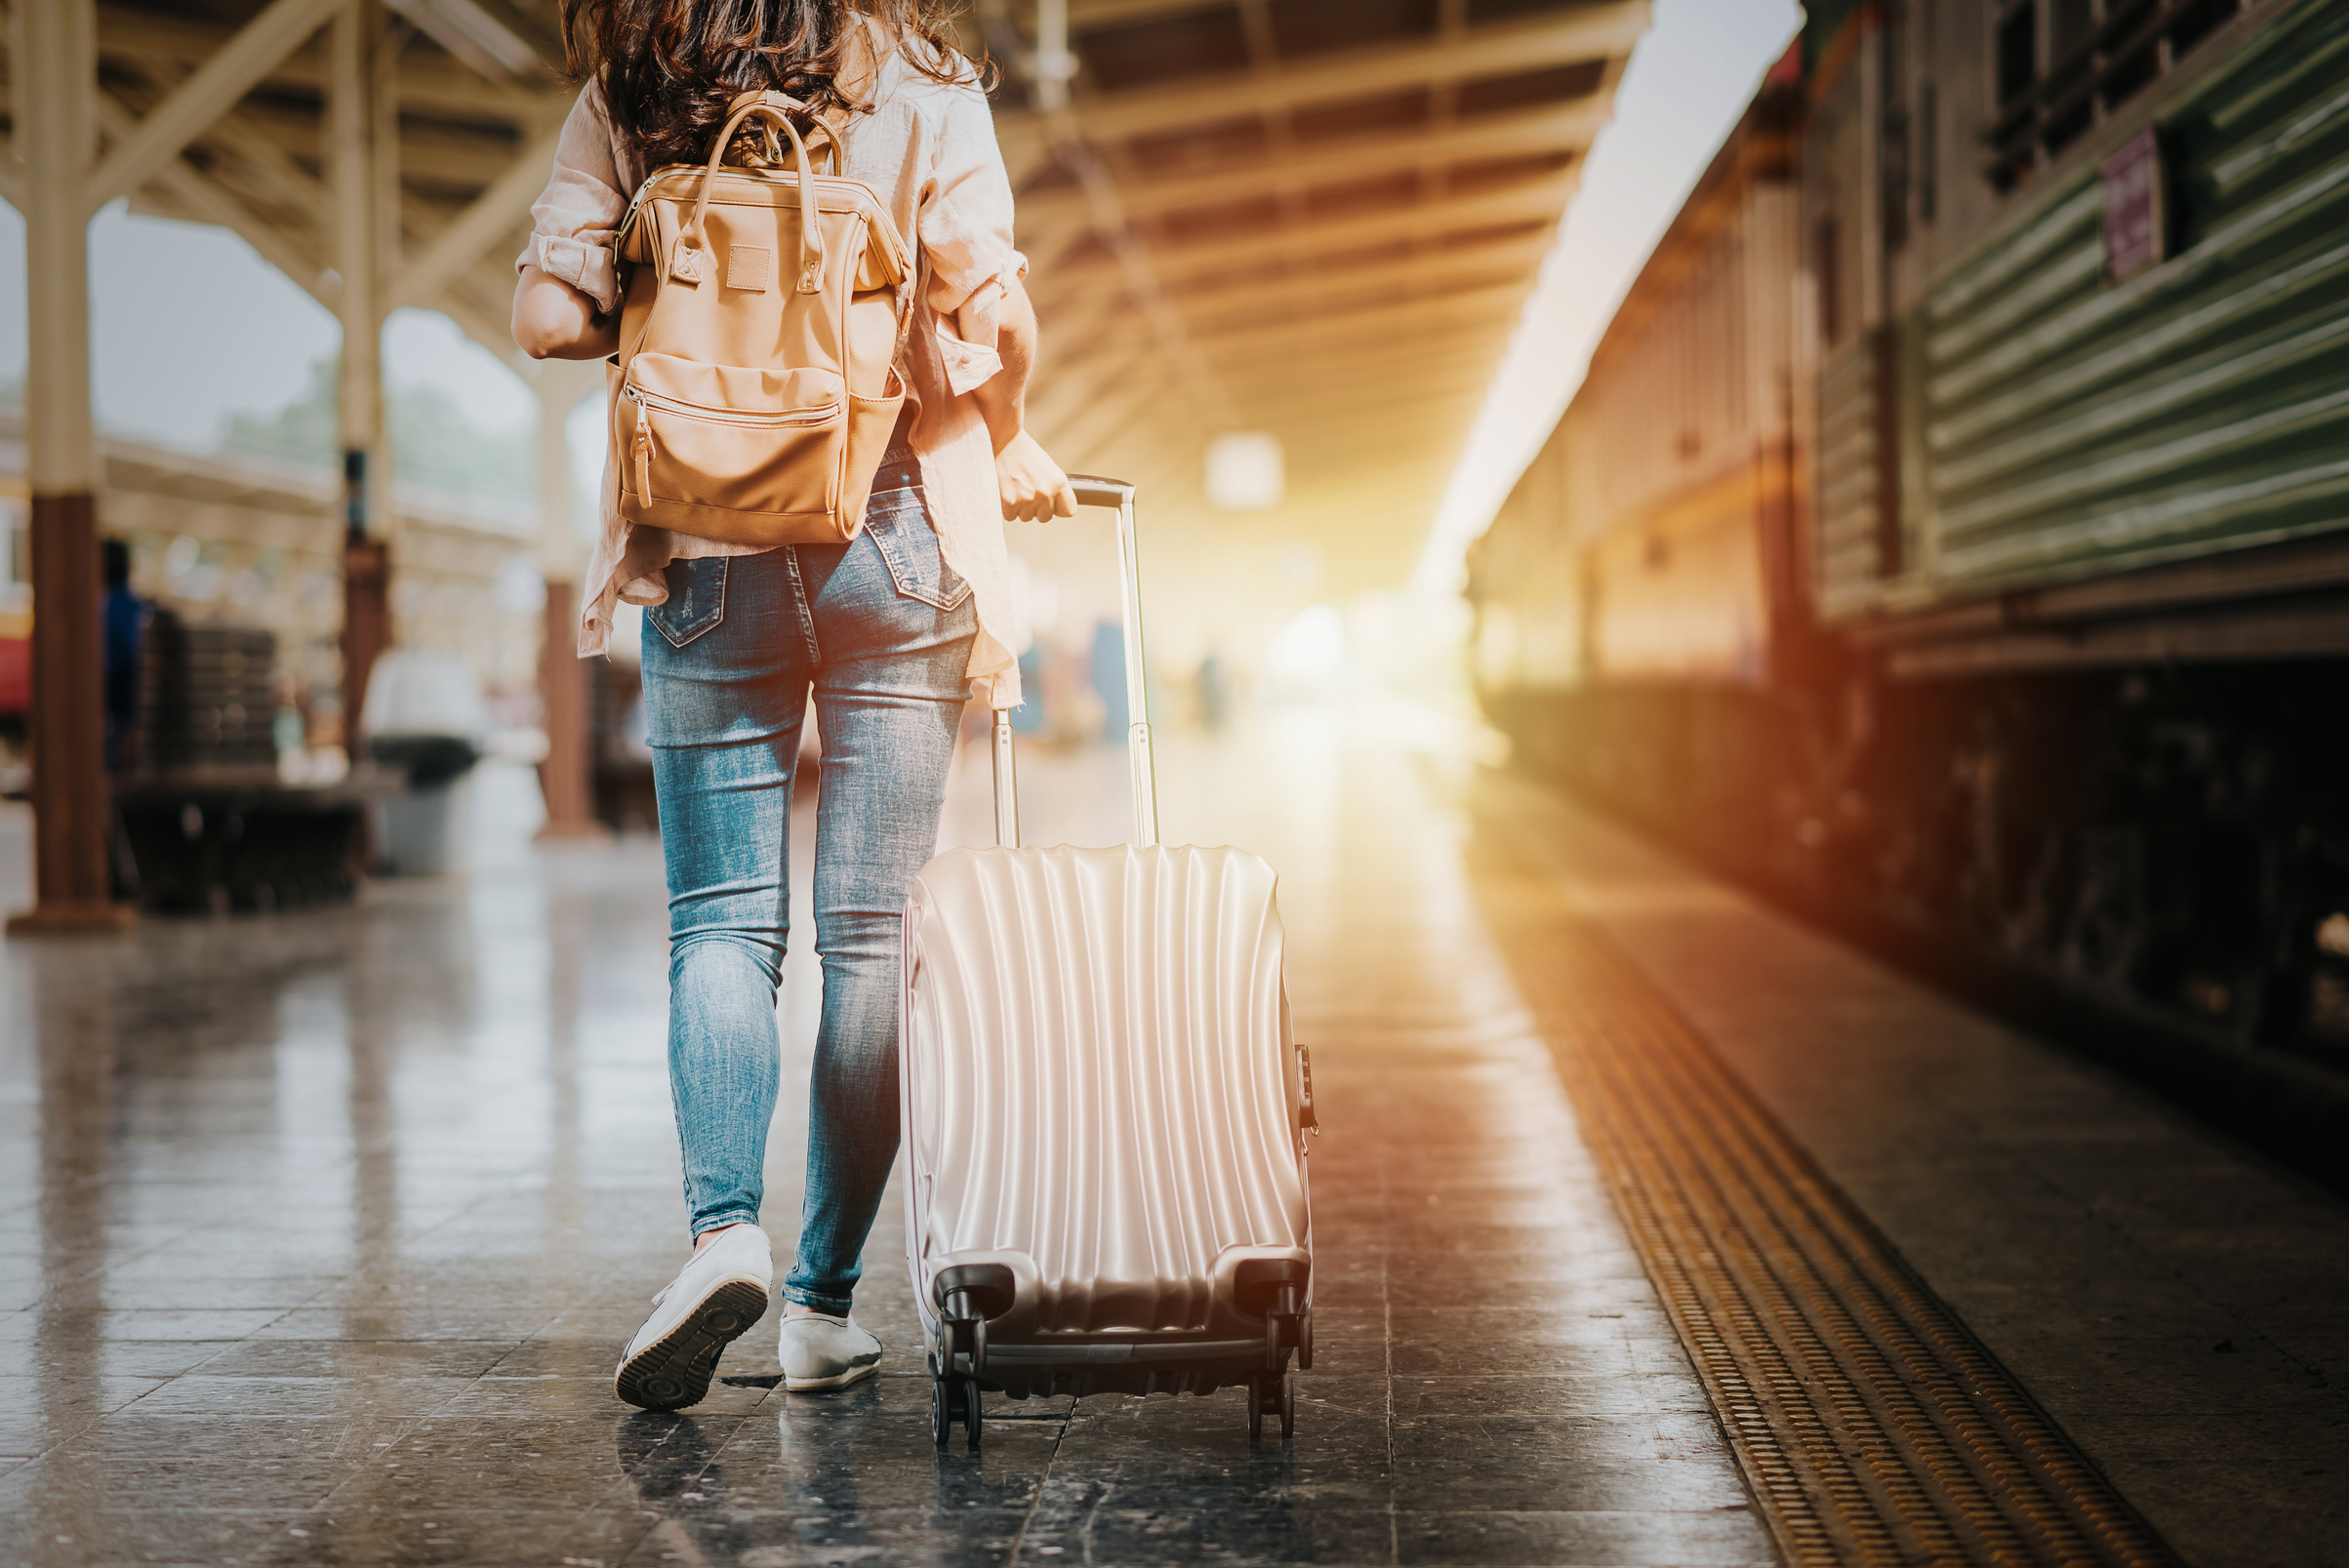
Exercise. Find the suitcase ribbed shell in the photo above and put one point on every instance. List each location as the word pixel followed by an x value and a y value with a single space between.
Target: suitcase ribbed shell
pixel 1099 1086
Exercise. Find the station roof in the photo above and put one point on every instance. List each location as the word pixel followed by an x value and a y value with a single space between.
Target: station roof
pixel 1317 219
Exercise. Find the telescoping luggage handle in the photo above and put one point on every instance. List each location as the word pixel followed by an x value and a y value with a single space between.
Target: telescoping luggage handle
pixel 1118 494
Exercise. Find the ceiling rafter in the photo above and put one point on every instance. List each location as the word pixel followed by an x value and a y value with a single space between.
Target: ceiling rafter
pixel 1564 131
pixel 1354 292
pixel 1075 311
pixel 1331 243
pixel 229 72
pixel 1533 201
pixel 1588 33
pixel 1277 376
pixel 434 87
pixel 1379 319
pixel 492 216
pixel 186 194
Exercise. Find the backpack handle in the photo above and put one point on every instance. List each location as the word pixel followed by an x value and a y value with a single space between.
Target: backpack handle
pixel 776 108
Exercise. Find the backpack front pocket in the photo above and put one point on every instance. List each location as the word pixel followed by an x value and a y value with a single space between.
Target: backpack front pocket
pixel 730 437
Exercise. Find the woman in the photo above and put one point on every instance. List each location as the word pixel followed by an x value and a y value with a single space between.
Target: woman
pixel 891 632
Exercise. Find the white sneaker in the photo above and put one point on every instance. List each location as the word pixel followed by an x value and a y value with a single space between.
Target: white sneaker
pixel 819 1351
pixel 714 1299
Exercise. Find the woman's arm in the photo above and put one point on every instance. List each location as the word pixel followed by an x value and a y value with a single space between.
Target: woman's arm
pixel 1032 486
pixel 553 320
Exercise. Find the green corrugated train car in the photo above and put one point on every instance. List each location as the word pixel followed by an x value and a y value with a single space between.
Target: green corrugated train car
pixel 1978 570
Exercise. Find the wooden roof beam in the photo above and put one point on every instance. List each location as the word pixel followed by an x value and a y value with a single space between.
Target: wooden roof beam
pixel 1534 200
pixel 1600 32
pixel 1065 382
pixel 1256 375
pixel 428 157
pixel 180 191
pixel 1295 406
pixel 1088 15
pixel 1297 325
pixel 1463 385
pixel 228 73
pixel 1564 130
pixel 1104 414
pixel 1512 255
pixel 431 87
pixel 488 219
pixel 1291 303
pixel 269 165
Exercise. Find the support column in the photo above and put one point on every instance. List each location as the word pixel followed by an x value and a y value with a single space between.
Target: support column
pixel 567 778
pixel 356 148
pixel 54 66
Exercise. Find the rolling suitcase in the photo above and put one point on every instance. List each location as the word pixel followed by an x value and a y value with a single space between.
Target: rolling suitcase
pixel 1103 1108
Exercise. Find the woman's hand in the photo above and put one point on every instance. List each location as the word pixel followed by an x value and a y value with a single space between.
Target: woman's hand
pixel 553 320
pixel 1032 486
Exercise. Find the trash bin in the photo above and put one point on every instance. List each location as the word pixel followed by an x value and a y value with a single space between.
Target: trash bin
pixel 426 717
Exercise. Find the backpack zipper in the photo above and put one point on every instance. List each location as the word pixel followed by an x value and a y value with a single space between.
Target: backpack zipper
pixel 641 448
pixel 816 414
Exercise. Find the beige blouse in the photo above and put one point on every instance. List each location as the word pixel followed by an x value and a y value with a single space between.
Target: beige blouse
pixel 928 150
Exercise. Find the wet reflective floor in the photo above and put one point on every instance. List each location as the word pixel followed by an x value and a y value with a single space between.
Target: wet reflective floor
pixel 319 1235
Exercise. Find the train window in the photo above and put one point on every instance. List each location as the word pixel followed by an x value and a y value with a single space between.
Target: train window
pixel 2016 52
pixel 2069 23
pixel 2131 71
pixel 2195 21
pixel 1929 153
pixel 2061 67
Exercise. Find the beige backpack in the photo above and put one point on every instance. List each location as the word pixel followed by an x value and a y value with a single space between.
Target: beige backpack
pixel 756 384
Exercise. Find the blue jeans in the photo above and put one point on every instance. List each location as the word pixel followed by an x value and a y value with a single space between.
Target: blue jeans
pixel 882 631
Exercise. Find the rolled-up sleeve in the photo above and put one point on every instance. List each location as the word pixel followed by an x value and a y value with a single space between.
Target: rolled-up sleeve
pixel 966 236
pixel 574 219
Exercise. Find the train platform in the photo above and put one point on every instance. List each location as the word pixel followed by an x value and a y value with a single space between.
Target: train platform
pixel 1651 1228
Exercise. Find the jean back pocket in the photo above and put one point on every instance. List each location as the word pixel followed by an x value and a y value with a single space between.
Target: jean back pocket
pixel 898 522
pixel 696 599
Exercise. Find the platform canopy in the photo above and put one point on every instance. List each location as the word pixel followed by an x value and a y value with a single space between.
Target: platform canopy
pixel 1310 218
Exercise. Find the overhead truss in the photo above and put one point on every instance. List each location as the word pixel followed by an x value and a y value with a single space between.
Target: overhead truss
pixel 1337 206
pixel 1309 217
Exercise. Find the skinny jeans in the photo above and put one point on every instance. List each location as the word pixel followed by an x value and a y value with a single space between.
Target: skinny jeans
pixel 880 629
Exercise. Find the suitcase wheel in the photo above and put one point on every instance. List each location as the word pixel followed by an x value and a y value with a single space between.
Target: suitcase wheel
pixel 1272 1393
pixel 951 1400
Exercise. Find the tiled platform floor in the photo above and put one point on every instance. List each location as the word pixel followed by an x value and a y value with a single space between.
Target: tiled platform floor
pixel 2179 1306
pixel 319 1234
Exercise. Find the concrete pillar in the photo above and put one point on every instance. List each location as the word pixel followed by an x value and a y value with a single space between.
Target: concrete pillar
pixel 359 150
pixel 54 69
pixel 567 778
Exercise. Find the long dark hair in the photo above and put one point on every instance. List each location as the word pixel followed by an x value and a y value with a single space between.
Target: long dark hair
pixel 669 67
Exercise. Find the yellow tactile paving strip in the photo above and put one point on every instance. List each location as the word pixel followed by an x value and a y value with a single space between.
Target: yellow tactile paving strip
pixel 1870 1424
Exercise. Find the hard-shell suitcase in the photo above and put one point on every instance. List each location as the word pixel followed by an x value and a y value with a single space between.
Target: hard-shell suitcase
pixel 1103 1108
